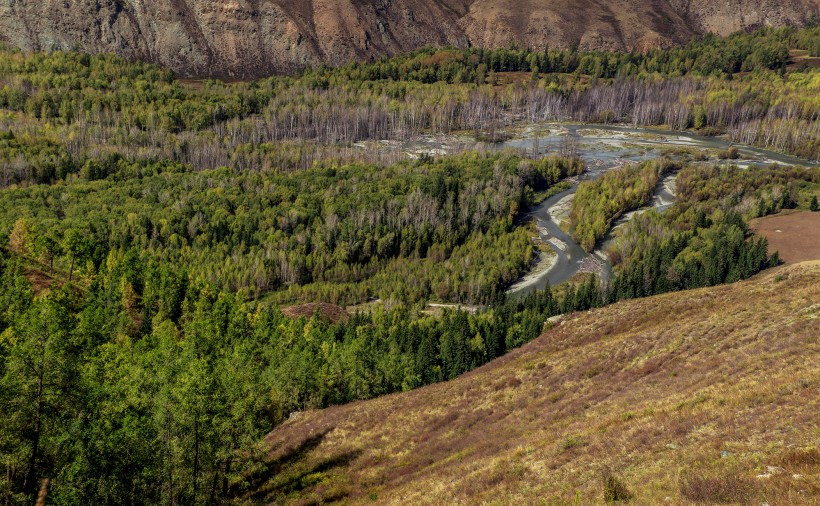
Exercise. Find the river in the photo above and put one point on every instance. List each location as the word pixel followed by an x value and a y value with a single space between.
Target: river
pixel 604 147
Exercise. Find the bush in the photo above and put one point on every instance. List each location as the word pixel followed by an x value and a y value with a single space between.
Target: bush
pixel 797 459
pixel 614 490
pixel 572 442
pixel 730 153
pixel 711 131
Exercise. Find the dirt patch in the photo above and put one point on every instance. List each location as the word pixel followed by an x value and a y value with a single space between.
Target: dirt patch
pixel 329 312
pixel 795 236
pixel 800 59
pixel 39 280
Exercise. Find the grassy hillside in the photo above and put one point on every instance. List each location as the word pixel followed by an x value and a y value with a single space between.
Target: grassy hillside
pixel 708 395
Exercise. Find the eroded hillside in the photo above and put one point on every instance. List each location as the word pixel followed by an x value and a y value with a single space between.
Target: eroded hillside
pixel 707 395
pixel 250 38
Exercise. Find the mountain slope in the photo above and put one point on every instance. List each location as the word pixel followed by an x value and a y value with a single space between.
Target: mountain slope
pixel 678 398
pixel 247 38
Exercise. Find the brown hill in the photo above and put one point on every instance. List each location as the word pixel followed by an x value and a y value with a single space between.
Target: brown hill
pixel 709 395
pixel 250 38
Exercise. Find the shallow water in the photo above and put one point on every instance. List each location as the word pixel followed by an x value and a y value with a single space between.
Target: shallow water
pixel 570 256
pixel 599 144
pixel 602 147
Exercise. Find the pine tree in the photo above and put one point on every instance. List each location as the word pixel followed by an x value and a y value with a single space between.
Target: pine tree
pixel 426 358
pixel 37 386
pixel 455 351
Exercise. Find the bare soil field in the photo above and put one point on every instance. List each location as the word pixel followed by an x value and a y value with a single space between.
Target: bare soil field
pixel 795 236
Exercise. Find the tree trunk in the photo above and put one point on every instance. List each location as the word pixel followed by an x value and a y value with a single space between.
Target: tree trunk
pixel 196 454
pixel 30 481
pixel 215 483
pixel 170 462
pixel 225 478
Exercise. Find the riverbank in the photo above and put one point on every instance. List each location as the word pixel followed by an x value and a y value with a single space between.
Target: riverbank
pixel 545 260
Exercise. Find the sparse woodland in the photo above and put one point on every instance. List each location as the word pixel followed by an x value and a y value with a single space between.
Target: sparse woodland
pixel 151 229
pixel 68 113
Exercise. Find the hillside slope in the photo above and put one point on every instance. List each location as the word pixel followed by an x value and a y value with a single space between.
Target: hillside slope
pixel 678 398
pixel 250 38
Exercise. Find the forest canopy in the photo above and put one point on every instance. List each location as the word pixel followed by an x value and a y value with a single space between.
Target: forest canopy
pixel 433 228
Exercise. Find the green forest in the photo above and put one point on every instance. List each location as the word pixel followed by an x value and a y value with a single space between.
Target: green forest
pixel 64 114
pixel 143 355
pixel 599 202
pixel 412 231
pixel 704 238
pixel 153 229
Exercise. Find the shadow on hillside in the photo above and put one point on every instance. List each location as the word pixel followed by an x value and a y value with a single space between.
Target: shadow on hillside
pixel 292 472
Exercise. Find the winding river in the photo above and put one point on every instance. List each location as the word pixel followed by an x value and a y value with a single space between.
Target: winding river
pixel 604 148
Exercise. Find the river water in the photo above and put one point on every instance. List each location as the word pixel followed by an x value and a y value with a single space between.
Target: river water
pixel 603 148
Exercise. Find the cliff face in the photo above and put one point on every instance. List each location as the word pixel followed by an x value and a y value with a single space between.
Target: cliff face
pixel 251 38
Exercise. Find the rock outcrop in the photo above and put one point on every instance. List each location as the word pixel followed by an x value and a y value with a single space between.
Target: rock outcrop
pixel 252 38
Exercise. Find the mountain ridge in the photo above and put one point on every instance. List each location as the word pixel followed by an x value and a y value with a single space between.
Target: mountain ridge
pixel 254 38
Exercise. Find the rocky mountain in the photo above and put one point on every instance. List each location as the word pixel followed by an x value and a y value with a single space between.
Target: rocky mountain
pixel 251 38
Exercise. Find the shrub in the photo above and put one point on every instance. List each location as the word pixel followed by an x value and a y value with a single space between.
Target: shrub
pixel 730 153
pixel 614 490
pixel 710 131
pixel 795 459
pixel 572 442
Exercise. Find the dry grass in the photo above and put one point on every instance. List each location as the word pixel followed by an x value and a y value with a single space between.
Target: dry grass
pixel 800 58
pixel 40 281
pixel 795 236
pixel 329 312
pixel 723 489
pixel 704 396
